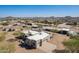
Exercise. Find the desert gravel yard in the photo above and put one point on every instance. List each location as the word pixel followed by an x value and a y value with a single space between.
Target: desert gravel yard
pixel 58 39
pixel 47 47
pixel 23 50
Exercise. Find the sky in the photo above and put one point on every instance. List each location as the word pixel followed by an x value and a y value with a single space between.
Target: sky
pixel 38 10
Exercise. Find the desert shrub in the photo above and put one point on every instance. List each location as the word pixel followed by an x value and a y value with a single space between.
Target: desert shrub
pixel 19 28
pixel 5 23
pixel 2 36
pixel 61 51
pixel 6 47
pixel 72 45
pixel 12 40
pixel 57 22
pixel 18 33
pixel 55 31
pixel 11 47
pixel 74 37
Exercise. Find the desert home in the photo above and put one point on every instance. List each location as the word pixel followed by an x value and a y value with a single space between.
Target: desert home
pixel 35 39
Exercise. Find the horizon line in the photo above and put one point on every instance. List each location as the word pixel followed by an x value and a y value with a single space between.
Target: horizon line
pixel 37 16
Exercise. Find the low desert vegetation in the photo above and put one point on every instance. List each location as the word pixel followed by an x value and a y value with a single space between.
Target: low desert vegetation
pixel 17 33
pixel 75 37
pixel 6 47
pixel 72 44
pixel 2 36
pixel 55 31
pixel 19 28
pixel 5 23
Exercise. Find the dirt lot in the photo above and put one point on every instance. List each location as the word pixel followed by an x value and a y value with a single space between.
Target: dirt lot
pixel 58 39
pixel 23 50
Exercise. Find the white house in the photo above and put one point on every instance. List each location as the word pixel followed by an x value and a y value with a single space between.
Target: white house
pixel 48 28
pixel 8 28
pixel 73 33
pixel 35 39
pixel 67 31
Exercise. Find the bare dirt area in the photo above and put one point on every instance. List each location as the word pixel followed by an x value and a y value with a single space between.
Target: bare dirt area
pixel 19 49
pixel 10 36
pixel 58 39
pixel 24 50
pixel 48 47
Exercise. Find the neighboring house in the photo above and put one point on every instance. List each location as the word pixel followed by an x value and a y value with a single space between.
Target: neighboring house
pixel 35 39
pixel 64 26
pixel 29 24
pixel 63 30
pixel 32 26
pixel 8 28
pixel 73 33
pixel 17 24
pixel 48 28
pixel 35 27
pixel 67 29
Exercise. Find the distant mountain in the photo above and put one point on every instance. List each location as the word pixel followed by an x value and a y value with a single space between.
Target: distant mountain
pixel 66 18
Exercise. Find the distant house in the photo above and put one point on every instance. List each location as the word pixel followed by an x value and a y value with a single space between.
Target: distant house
pixel 48 28
pixel 30 24
pixel 8 28
pixel 17 24
pixel 64 26
pixel 63 30
pixel 35 27
pixel 45 24
pixel 67 29
pixel 73 33
pixel 35 39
